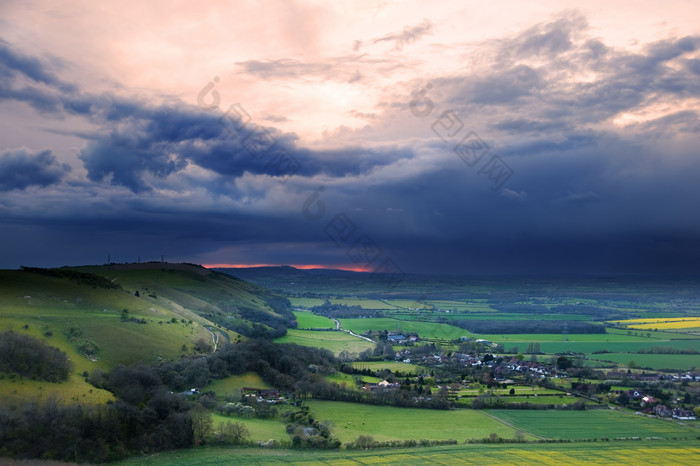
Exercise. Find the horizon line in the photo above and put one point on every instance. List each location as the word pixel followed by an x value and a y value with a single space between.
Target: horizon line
pixel 346 268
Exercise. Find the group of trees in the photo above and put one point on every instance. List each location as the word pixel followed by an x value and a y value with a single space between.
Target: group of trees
pixel 307 432
pixel 527 326
pixel 33 358
pixel 344 311
pixel 151 414
pixel 90 433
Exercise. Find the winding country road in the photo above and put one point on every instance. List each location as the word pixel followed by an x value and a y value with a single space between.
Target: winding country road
pixel 338 327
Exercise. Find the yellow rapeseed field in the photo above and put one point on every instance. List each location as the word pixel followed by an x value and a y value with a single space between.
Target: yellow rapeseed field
pixel 661 323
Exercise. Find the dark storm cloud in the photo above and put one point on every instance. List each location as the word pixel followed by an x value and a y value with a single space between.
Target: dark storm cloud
pixel 165 142
pixel 21 168
pixel 13 63
pixel 586 195
pixel 138 139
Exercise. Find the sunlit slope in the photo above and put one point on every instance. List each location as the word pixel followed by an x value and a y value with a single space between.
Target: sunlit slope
pixel 193 291
pixel 106 315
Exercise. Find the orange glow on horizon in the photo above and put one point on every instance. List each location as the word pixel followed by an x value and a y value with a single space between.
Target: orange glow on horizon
pixel 349 268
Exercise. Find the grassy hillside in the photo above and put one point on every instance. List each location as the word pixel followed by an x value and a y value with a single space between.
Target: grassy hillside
pixel 101 316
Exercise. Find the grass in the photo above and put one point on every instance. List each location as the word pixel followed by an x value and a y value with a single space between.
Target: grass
pixel 349 380
pixel 333 341
pixel 391 423
pixel 232 385
pixel 260 429
pixel 592 424
pixel 426 330
pixel 654 452
pixel 306 302
pixel 409 304
pixel 17 390
pixel 48 307
pixel 391 365
pixel 370 304
pixel 307 320
pixel 654 361
pixel 588 347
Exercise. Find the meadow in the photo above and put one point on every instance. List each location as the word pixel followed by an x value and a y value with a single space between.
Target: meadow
pixel 425 330
pixel 307 320
pixel 349 380
pixel 653 361
pixel 333 341
pixel 599 423
pixel 350 420
pixel 231 386
pixel 590 347
pixel 14 389
pixel 390 365
pixel 260 429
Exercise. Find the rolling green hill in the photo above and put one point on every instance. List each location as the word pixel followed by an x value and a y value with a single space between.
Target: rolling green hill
pixel 101 316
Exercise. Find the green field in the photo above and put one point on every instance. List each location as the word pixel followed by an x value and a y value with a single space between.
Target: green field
pixel 654 361
pixel 167 297
pixel 260 429
pixel 390 423
pixel 371 304
pixel 391 365
pixel 597 423
pixel 427 330
pixel 306 302
pixel 553 347
pixel 331 340
pixel 307 320
pixel 15 390
pixel 349 380
pixel 653 452
pixel 232 385
pixel 409 304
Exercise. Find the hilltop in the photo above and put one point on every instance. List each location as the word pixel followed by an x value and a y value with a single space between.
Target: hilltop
pixel 105 315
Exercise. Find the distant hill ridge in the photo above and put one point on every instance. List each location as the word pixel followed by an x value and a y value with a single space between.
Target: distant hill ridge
pixel 102 315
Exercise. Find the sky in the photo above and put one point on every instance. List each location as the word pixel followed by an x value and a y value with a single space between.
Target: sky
pixel 463 137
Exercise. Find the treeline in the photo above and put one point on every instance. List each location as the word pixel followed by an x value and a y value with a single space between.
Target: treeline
pixel 580 309
pixel 81 278
pixel 498 402
pixel 253 323
pixel 404 396
pixel 281 365
pixel 527 326
pixel 667 350
pixel 329 309
pixel 32 358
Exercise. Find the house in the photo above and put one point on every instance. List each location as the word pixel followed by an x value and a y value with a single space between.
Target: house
pixel 396 338
pixel 385 384
pixel 260 393
pixel 683 414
